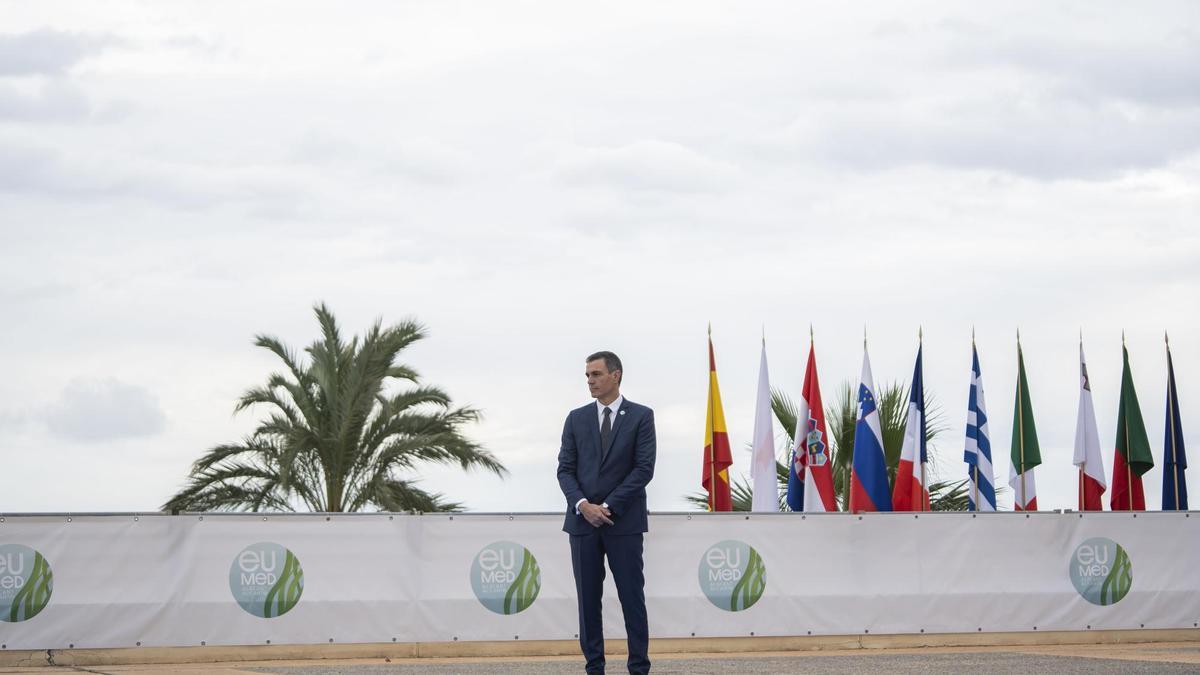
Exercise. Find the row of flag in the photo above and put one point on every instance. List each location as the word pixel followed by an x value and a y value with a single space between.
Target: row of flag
pixel 810 475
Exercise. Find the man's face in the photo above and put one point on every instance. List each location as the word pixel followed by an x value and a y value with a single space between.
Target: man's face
pixel 602 383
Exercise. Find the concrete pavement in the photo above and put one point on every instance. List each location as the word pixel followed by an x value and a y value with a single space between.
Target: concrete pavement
pixel 1175 657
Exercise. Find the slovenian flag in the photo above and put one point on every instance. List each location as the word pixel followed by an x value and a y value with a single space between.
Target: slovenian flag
pixel 812 468
pixel 1026 453
pixel 911 492
pixel 869 489
pixel 1174 492
pixel 1087 445
pixel 717 457
pixel 981 493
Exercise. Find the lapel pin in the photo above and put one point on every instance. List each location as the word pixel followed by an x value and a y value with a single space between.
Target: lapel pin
pixel 622 412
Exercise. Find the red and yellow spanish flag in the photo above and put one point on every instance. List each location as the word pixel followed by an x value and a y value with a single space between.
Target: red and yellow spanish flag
pixel 717 457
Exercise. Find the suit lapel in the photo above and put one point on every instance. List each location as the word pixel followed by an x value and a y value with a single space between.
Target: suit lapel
pixel 593 426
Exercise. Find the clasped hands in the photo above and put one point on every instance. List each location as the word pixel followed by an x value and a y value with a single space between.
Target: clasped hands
pixel 595 514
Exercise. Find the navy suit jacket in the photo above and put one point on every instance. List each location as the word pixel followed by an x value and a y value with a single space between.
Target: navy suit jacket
pixel 617 477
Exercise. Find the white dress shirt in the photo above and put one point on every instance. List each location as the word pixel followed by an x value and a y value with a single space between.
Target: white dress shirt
pixel 614 406
pixel 612 420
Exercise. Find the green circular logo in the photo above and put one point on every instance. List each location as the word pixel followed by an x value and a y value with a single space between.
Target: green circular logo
pixel 505 577
pixel 26 583
pixel 266 579
pixel 732 575
pixel 1101 571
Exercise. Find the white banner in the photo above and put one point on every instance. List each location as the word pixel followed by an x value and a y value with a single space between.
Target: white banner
pixel 157 580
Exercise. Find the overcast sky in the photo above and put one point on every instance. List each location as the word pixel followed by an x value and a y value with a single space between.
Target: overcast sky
pixel 538 180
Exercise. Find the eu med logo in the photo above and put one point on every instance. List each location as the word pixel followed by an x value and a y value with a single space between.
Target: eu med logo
pixel 505 577
pixel 266 579
pixel 1101 571
pixel 732 575
pixel 26 583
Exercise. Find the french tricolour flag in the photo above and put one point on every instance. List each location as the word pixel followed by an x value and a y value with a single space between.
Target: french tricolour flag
pixel 911 492
pixel 868 474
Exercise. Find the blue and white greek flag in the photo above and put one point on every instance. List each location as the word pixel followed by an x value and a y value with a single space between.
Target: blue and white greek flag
pixel 981 489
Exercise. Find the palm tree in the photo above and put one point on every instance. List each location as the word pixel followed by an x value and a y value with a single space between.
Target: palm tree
pixel 341 435
pixel 841 417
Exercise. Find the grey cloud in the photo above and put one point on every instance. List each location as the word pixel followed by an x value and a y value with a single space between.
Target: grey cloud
pixel 1023 133
pixel 891 28
pixel 37 169
pixel 26 168
pixel 1094 71
pixel 1065 105
pixel 55 100
pixel 648 165
pixel 46 51
pixel 29 168
pixel 964 28
pixel 37 293
pixel 13 421
pixel 420 160
pixel 200 44
pixel 104 410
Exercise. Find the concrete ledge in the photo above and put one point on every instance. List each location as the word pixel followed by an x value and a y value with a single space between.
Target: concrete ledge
pixel 524 648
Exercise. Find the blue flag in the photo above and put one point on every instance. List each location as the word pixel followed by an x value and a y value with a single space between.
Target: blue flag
pixel 981 491
pixel 869 489
pixel 1174 490
pixel 795 487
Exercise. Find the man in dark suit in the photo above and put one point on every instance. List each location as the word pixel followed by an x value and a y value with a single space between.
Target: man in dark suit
pixel 604 464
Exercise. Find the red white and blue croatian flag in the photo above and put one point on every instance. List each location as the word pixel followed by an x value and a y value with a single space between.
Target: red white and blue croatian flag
pixel 810 481
pixel 910 492
pixel 869 490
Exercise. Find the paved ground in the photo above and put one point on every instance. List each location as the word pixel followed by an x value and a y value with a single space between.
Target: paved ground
pixel 1181 657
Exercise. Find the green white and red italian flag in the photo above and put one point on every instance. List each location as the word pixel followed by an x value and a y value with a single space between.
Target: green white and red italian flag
pixel 1132 458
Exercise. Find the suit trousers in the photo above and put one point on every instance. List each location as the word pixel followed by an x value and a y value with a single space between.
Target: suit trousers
pixel 624 553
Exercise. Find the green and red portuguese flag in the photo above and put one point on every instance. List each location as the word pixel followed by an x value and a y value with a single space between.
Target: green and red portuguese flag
pixel 1132 459
pixel 717 457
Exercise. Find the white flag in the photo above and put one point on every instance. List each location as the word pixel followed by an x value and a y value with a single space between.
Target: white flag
pixel 762 459
pixel 1087 445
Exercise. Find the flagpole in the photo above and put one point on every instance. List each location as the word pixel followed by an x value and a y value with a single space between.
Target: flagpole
pixel 1082 504
pixel 803 444
pixel 712 434
pixel 1021 420
pixel 1124 418
pixel 1171 419
pixel 975 466
pixel 976 470
pixel 1128 470
pixel 850 483
pixel 921 444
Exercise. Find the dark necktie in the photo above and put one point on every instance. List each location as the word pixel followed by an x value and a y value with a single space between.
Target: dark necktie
pixel 605 432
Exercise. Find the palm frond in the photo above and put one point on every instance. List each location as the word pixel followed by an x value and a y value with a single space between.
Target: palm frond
pixel 337 437
pixel 785 412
